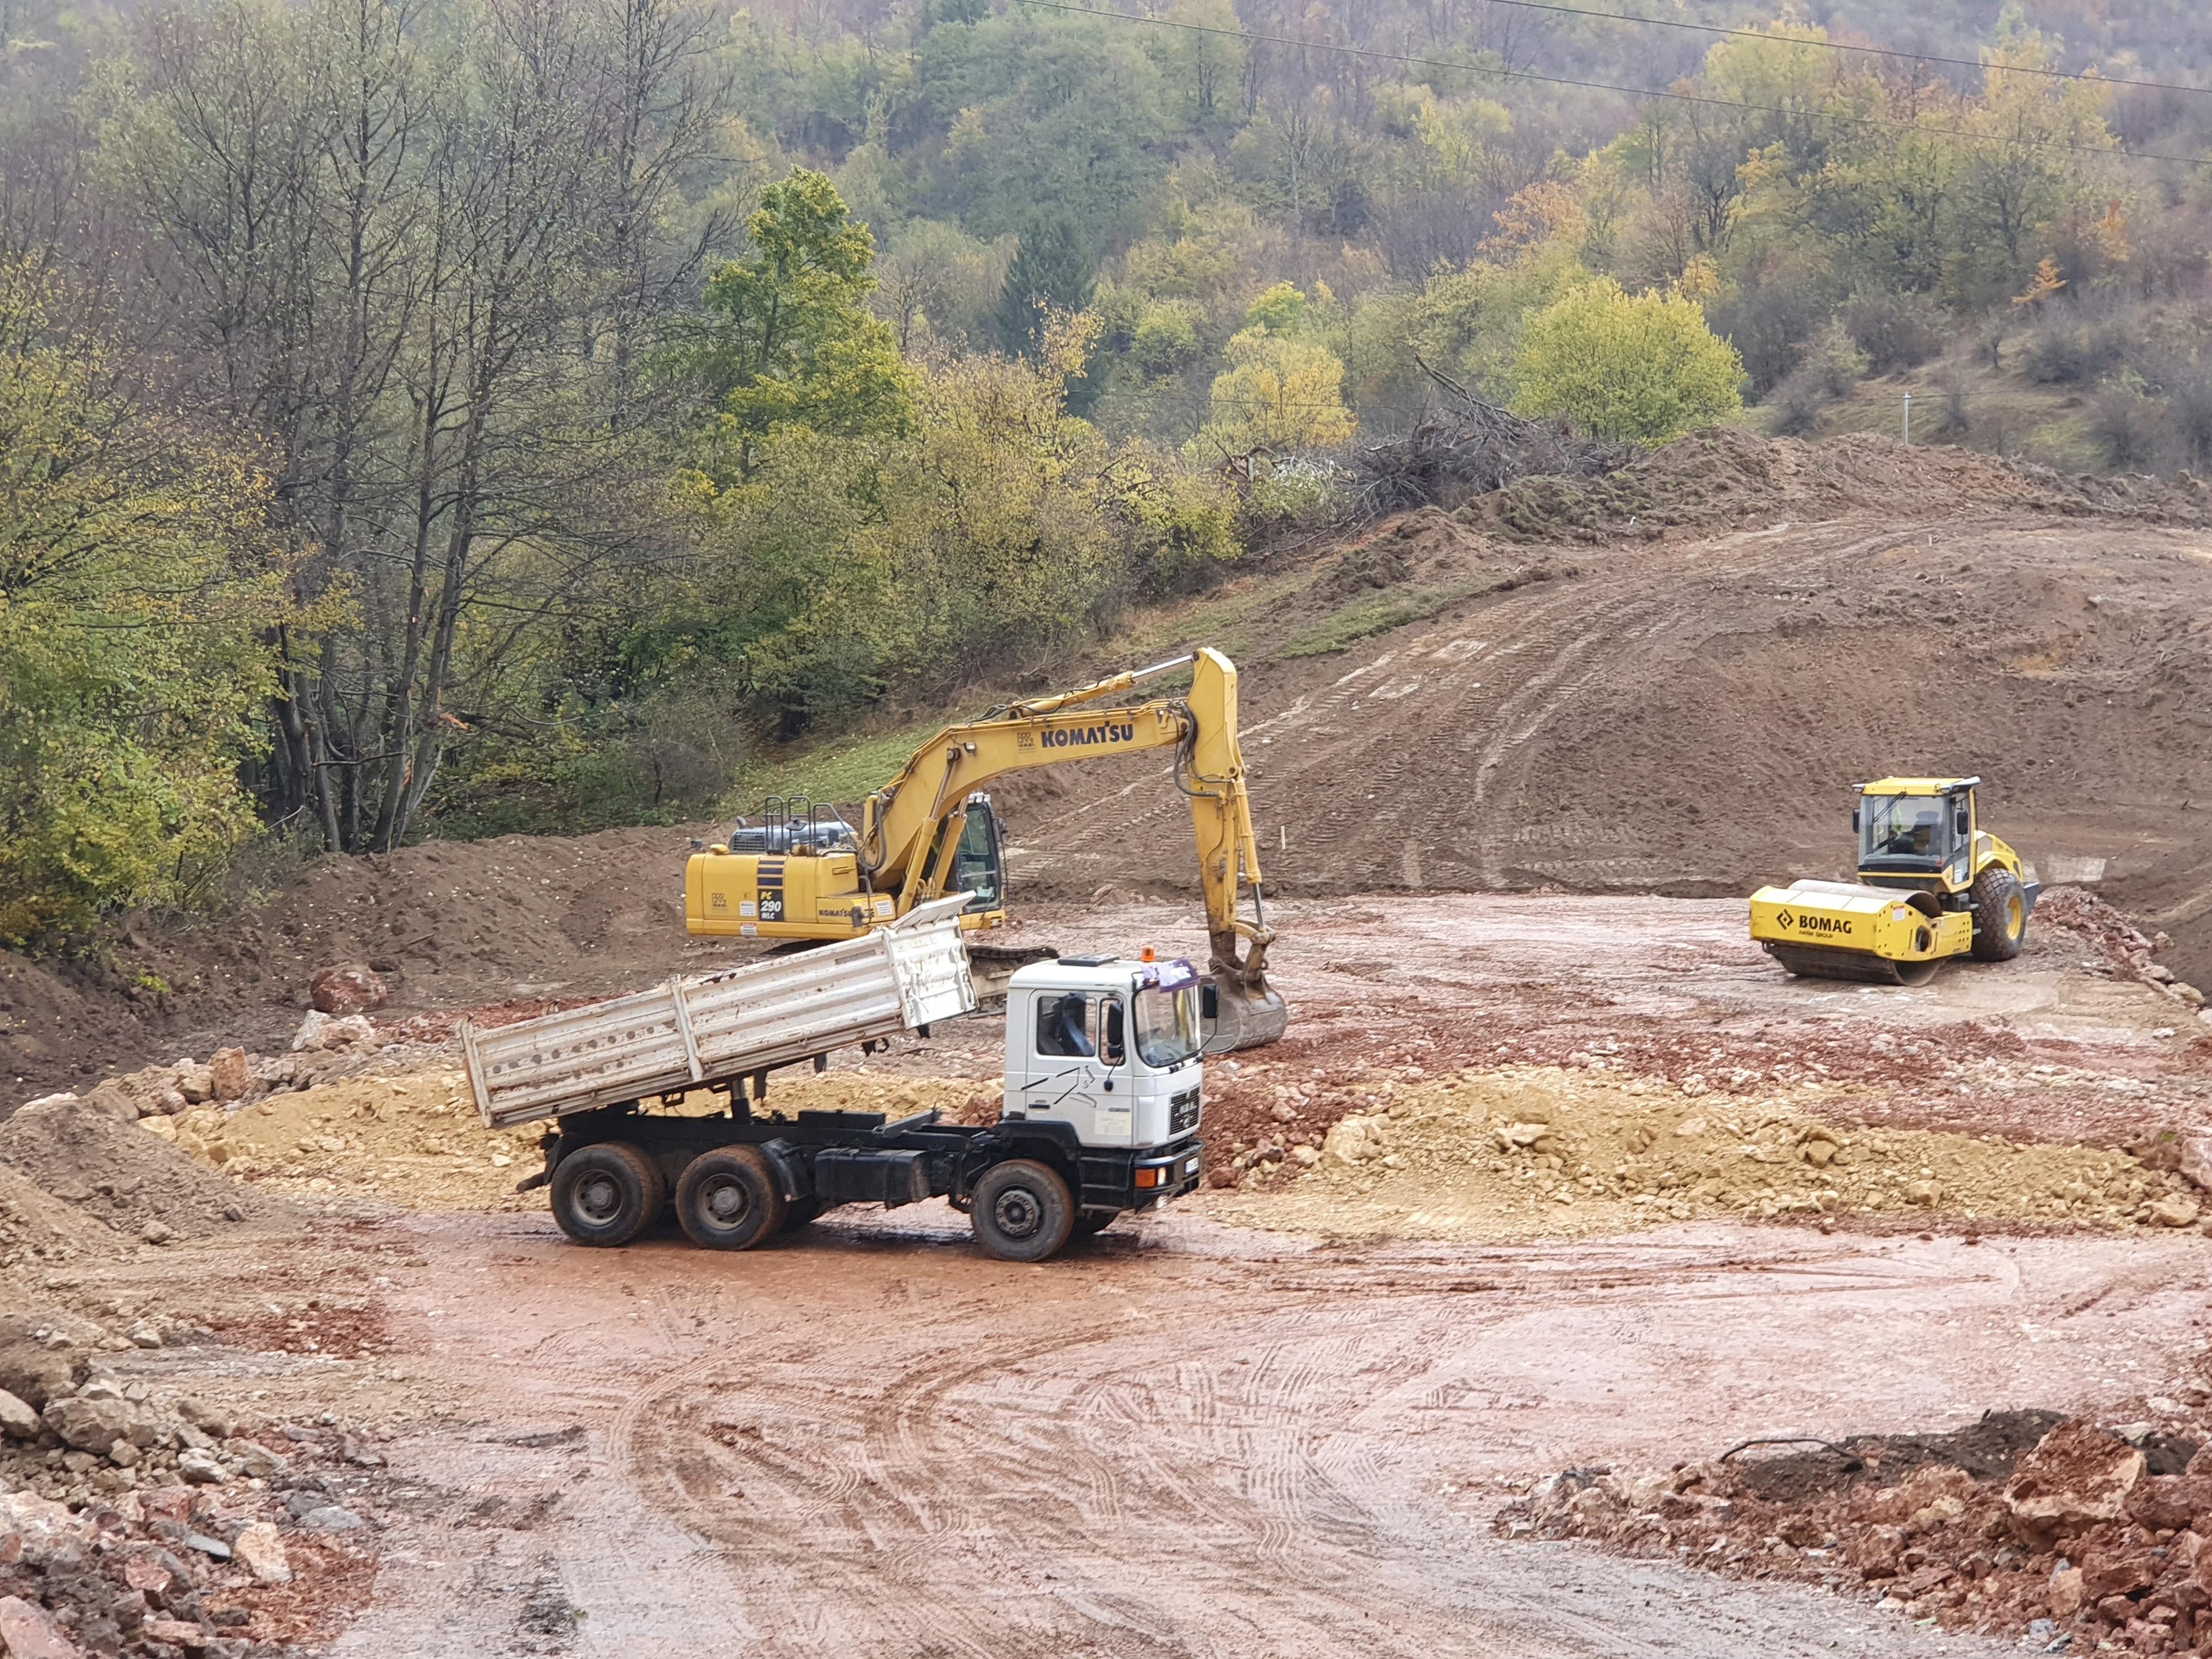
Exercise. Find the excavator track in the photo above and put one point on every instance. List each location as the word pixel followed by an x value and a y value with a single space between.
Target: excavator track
pixel 1827 961
pixel 994 967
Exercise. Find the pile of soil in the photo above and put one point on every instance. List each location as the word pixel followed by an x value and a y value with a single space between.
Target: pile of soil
pixel 1535 1151
pixel 2072 1535
pixel 448 925
pixel 1687 716
pixel 1726 475
pixel 86 1154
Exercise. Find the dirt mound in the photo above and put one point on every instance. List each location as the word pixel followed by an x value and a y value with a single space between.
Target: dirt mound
pixel 1725 476
pixel 1687 716
pixel 1541 1151
pixel 2026 1523
pixel 446 924
pixel 88 1156
pixel 36 1226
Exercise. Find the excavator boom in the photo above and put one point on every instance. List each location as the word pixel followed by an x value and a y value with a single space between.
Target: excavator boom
pixel 909 845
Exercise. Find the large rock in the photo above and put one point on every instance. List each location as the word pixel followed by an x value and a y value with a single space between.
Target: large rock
pixel 2197 1153
pixel 2076 1477
pixel 29 1370
pixel 17 1420
pixel 93 1423
pixel 26 1632
pixel 351 987
pixel 226 1074
pixel 324 1032
pixel 2174 1502
pixel 261 1553
pixel 43 1525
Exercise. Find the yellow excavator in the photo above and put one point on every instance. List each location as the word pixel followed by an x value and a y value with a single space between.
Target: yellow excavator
pixel 804 873
pixel 1933 885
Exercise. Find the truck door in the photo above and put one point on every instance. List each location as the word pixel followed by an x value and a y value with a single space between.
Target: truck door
pixel 1077 1065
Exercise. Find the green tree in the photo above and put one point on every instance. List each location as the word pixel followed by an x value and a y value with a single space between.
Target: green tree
pixel 1279 391
pixel 1052 271
pixel 789 340
pixel 141 594
pixel 1641 366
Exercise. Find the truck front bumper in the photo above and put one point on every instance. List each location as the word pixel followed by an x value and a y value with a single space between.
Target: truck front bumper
pixel 1166 1175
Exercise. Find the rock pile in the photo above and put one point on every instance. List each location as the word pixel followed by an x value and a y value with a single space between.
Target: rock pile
pixel 2117 946
pixel 2092 1533
pixel 137 1523
pixel 1526 1150
pixel 88 1153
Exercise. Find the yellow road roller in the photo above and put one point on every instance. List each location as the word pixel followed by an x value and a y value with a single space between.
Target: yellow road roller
pixel 1933 883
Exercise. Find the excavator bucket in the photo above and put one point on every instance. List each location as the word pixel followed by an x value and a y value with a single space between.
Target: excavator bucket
pixel 1242 1010
pixel 1244 1019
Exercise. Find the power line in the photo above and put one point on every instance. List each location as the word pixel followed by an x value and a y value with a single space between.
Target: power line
pixel 1377 55
pixel 2095 80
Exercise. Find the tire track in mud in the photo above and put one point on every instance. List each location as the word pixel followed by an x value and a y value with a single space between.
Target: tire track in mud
pixel 1068 1490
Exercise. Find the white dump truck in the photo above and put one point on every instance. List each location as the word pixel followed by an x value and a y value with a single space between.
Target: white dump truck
pixel 1104 1094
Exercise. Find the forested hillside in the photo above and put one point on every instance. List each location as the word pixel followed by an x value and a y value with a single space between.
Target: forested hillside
pixel 431 416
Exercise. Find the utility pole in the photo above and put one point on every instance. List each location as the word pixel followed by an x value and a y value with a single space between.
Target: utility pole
pixel 1908 417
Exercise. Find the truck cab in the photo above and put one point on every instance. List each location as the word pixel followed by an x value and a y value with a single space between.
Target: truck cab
pixel 1109 1047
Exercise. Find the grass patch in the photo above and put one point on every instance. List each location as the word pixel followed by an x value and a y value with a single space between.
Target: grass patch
pixel 840 772
pixel 1378 613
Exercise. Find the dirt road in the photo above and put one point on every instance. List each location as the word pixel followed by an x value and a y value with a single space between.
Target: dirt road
pixel 1182 1440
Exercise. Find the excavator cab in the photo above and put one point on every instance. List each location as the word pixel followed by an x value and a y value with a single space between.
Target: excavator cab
pixel 979 864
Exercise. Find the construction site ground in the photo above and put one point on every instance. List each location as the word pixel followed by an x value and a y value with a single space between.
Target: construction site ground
pixel 1557 1191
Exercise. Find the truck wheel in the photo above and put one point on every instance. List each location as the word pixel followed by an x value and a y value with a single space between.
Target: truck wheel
pixel 2000 908
pixel 728 1199
pixel 607 1193
pixel 1022 1211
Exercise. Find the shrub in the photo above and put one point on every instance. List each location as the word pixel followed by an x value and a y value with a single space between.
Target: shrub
pixel 1895 331
pixel 1642 366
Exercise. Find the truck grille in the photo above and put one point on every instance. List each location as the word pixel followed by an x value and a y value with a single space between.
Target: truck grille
pixel 1183 1112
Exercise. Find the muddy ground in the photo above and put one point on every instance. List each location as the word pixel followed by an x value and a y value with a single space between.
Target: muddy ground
pixel 1295 1414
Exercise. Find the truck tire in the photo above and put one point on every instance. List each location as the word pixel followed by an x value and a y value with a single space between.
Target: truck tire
pixel 727 1200
pixel 1022 1210
pixel 607 1193
pixel 2000 905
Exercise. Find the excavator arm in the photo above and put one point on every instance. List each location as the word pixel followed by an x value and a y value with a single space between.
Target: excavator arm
pixel 910 827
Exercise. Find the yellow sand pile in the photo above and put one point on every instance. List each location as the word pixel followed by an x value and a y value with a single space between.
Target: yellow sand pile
pixel 417 1140
pixel 1538 1150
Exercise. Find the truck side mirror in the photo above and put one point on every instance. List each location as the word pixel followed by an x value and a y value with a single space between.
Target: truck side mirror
pixel 1854 820
pixel 1960 823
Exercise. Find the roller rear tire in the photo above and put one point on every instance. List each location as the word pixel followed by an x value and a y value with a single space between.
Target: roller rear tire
pixel 608 1194
pixel 2000 905
pixel 1022 1210
pixel 728 1199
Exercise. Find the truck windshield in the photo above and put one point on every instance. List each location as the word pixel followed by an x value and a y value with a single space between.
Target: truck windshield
pixel 1167 1026
pixel 1903 831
